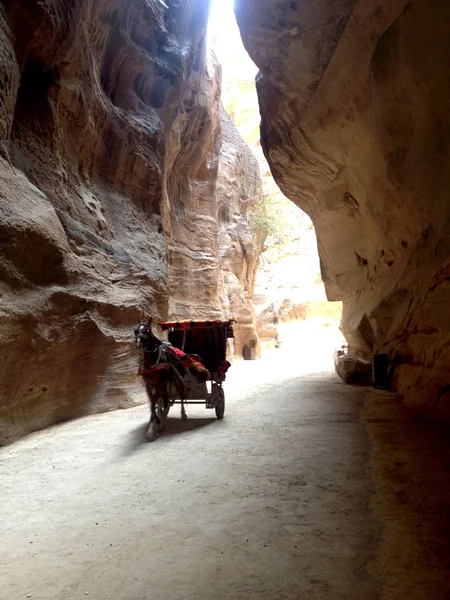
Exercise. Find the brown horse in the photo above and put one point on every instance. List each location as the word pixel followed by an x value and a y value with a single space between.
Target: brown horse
pixel 158 370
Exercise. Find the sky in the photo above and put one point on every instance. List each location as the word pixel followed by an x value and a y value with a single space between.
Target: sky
pixel 222 15
pixel 225 39
pixel 301 266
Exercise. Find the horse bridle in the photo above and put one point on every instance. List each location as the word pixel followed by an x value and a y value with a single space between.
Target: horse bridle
pixel 144 337
pixel 140 335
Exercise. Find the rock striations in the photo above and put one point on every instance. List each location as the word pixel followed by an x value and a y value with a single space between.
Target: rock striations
pixel 238 186
pixel 110 147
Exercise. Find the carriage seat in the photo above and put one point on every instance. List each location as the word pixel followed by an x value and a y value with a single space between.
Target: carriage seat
pixel 191 362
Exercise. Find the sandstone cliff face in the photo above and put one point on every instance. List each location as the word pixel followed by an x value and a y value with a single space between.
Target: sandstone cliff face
pixel 195 141
pixel 109 142
pixel 213 258
pixel 83 244
pixel 238 186
pixel 355 124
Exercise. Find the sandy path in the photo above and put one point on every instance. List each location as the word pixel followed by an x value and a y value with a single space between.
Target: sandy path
pixel 280 500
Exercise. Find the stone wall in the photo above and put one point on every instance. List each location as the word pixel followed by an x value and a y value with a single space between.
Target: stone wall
pixel 354 98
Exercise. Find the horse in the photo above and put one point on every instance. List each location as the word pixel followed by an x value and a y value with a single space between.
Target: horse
pixel 158 372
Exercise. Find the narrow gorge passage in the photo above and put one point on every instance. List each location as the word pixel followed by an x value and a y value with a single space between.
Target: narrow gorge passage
pixel 301 492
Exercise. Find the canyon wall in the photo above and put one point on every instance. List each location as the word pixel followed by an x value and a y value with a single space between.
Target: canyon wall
pixel 109 150
pixel 354 100
pixel 213 256
pixel 238 188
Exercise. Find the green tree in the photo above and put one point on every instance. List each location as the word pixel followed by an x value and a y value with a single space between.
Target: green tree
pixel 272 220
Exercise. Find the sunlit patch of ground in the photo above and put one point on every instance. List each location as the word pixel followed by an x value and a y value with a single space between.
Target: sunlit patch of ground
pixel 306 347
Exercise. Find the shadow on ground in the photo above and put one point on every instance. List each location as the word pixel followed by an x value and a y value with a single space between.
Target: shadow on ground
pixel 175 426
pixel 137 436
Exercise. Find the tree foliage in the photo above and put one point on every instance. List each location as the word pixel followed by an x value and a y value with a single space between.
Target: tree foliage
pixel 273 221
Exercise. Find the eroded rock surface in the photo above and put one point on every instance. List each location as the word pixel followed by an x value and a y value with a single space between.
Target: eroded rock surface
pixel 238 186
pixel 354 100
pixel 213 256
pixel 110 141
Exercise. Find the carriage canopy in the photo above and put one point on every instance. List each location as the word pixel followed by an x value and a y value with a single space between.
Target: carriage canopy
pixel 208 339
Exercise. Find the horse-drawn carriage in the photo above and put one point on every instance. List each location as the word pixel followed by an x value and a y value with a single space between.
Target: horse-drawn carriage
pixel 189 368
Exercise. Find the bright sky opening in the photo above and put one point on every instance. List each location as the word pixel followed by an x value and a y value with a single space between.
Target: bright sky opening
pixel 225 40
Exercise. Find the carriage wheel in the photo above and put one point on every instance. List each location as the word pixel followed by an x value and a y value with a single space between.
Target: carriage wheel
pixel 220 408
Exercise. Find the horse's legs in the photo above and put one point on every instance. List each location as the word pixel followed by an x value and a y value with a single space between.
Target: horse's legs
pixel 154 425
pixel 180 389
pixel 183 410
pixel 164 399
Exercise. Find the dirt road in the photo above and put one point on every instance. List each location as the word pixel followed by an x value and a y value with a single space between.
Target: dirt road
pixel 306 490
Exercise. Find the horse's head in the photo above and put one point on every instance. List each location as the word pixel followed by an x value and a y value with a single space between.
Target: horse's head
pixel 145 339
pixel 143 335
